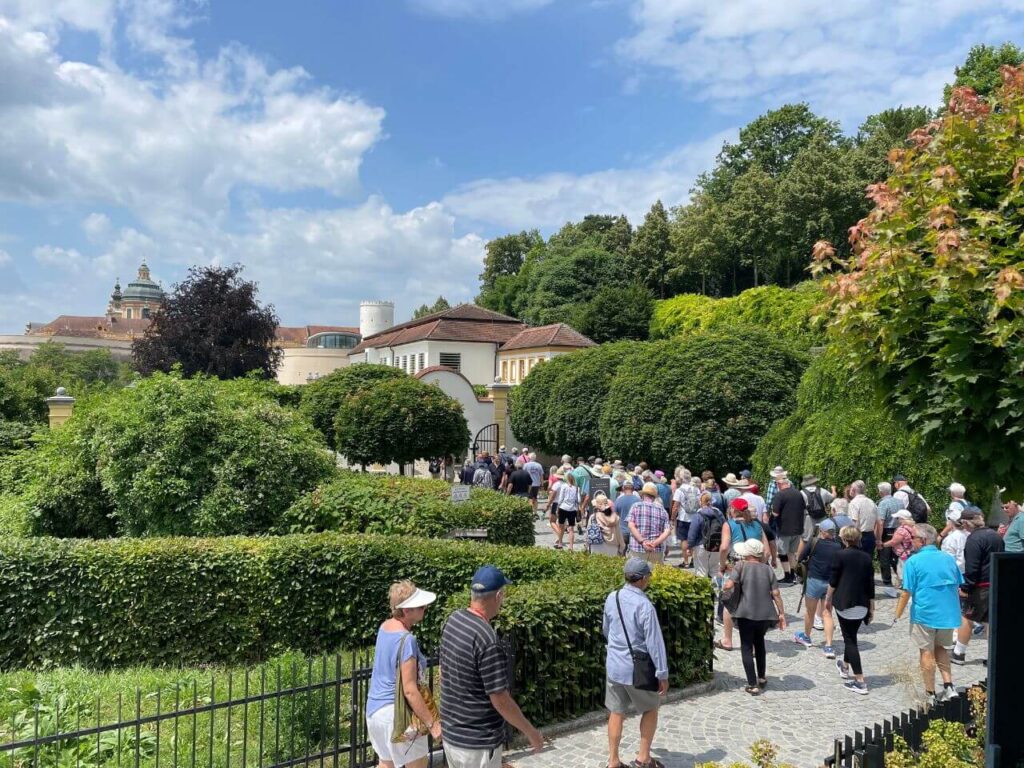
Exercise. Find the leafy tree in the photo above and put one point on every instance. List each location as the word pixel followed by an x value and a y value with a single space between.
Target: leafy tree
pixel 879 134
pixel 438 306
pixel 610 233
pixel 748 221
pixel 169 456
pixel 400 421
pixel 211 324
pixel 577 397
pixel 649 253
pixel 817 198
pixel 770 142
pixel 705 403
pixel 981 71
pixel 504 257
pixel 528 403
pixel 567 277
pixel 615 313
pixel 321 399
pixel 930 305
pixel 700 254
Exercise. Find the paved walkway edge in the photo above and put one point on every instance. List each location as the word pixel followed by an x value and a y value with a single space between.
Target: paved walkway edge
pixel 600 716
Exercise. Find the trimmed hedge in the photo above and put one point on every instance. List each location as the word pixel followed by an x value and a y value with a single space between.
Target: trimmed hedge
pixel 784 312
pixel 360 503
pixel 238 600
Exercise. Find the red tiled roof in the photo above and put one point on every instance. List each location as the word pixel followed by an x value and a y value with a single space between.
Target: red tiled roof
pixel 556 335
pixel 81 326
pixel 466 322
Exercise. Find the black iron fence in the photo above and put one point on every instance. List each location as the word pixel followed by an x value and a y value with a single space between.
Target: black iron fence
pixel 287 715
pixel 867 748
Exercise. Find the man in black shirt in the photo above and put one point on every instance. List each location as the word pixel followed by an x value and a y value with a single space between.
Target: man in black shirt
pixel 519 483
pixel 981 543
pixel 475 698
pixel 789 510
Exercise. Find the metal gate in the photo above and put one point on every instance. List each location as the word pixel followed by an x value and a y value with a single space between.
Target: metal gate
pixel 486 440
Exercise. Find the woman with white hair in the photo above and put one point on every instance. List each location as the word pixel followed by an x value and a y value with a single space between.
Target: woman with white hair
pixel 607 521
pixel 398 666
pixel 759 608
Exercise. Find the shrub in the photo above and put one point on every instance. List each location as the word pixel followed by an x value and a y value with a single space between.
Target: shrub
pixel 170 456
pixel 528 403
pixel 362 503
pixel 841 432
pixel 787 313
pixel 705 403
pixel 235 600
pixel 322 398
pixel 401 421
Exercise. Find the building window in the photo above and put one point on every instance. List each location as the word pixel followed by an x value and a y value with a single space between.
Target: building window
pixel 128 313
pixel 332 341
pixel 522 370
pixel 422 361
pixel 451 360
pixel 145 313
pixel 504 370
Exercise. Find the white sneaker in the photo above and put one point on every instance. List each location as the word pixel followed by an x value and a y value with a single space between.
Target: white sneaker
pixel 818 623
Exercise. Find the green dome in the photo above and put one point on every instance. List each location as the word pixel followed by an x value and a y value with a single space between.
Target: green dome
pixel 142 288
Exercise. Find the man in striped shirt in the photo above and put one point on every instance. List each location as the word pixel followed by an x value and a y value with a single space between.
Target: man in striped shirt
pixel 475 698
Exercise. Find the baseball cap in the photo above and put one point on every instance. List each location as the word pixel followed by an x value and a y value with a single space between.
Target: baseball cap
pixel 739 504
pixel 488 578
pixel 902 514
pixel 827 525
pixel 899 479
pixel 635 569
pixel 745 474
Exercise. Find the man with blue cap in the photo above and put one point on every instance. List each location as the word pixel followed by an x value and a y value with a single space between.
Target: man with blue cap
pixel 476 700
pixel 632 628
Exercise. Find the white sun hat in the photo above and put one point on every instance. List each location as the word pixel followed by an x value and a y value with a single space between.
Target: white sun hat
pixel 418 599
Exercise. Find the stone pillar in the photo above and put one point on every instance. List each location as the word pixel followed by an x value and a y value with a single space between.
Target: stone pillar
pixel 61 406
pixel 499 394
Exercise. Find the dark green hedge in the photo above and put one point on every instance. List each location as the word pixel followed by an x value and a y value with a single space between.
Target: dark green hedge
pixel 237 600
pixel 361 503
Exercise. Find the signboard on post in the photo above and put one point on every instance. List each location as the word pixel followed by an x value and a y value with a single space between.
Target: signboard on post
pixel 600 484
pixel 460 493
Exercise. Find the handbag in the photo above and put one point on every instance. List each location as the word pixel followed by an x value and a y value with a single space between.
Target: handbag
pixel 730 597
pixel 645 677
pixel 595 536
pixel 407 725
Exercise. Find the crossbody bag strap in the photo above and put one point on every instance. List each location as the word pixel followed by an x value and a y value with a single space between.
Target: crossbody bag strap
pixel 624 630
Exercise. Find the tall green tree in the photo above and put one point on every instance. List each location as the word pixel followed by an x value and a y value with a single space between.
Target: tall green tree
pixel 566 278
pixel 699 255
pixel 616 312
pixel 882 132
pixel 748 223
pixel 438 306
pixel 650 252
pixel 504 257
pixel 211 323
pixel 610 233
pixel 981 70
pixel 931 302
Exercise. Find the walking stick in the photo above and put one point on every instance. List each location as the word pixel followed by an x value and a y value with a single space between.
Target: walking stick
pixel 803 592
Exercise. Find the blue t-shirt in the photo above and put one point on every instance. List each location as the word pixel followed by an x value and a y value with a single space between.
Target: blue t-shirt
pixel 665 494
pixel 582 475
pixel 743 531
pixel 385 660
pixel 933 580
pixel 622 506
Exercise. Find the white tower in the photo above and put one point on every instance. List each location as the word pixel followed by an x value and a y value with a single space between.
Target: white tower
pixel 375 316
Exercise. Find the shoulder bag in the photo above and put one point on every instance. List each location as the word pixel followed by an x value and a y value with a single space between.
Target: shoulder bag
pixel 731 597
pixel 645 677
pixel 407 725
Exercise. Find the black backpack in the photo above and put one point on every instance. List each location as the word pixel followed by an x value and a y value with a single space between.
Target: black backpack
pixel 916 506
pixel 815 505
pixel 711 539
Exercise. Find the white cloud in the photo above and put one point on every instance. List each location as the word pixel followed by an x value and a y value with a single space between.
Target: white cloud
pixel 96 226
pixel 488 10
pixel 847 59
pixel 549 200
pixel 62 260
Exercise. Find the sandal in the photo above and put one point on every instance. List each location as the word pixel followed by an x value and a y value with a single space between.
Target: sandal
pixel 652 763
pixel 762 684
pixel 722 646
pixel 753 690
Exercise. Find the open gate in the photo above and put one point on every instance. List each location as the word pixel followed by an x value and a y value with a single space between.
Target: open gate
pixel 486 440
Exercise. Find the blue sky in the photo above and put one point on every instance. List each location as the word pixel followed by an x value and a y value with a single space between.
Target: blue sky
pixel 348 149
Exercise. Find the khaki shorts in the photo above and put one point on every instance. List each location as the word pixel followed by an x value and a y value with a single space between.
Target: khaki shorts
pixel 788 545
pixel 618 698
pixel 458 757
pixel 928 639
pixel 657 557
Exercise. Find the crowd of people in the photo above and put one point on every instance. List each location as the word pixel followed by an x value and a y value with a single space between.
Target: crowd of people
pixel 751 544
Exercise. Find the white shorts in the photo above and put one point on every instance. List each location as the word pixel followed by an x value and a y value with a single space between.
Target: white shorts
pixel 458 757
pixel 379 726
